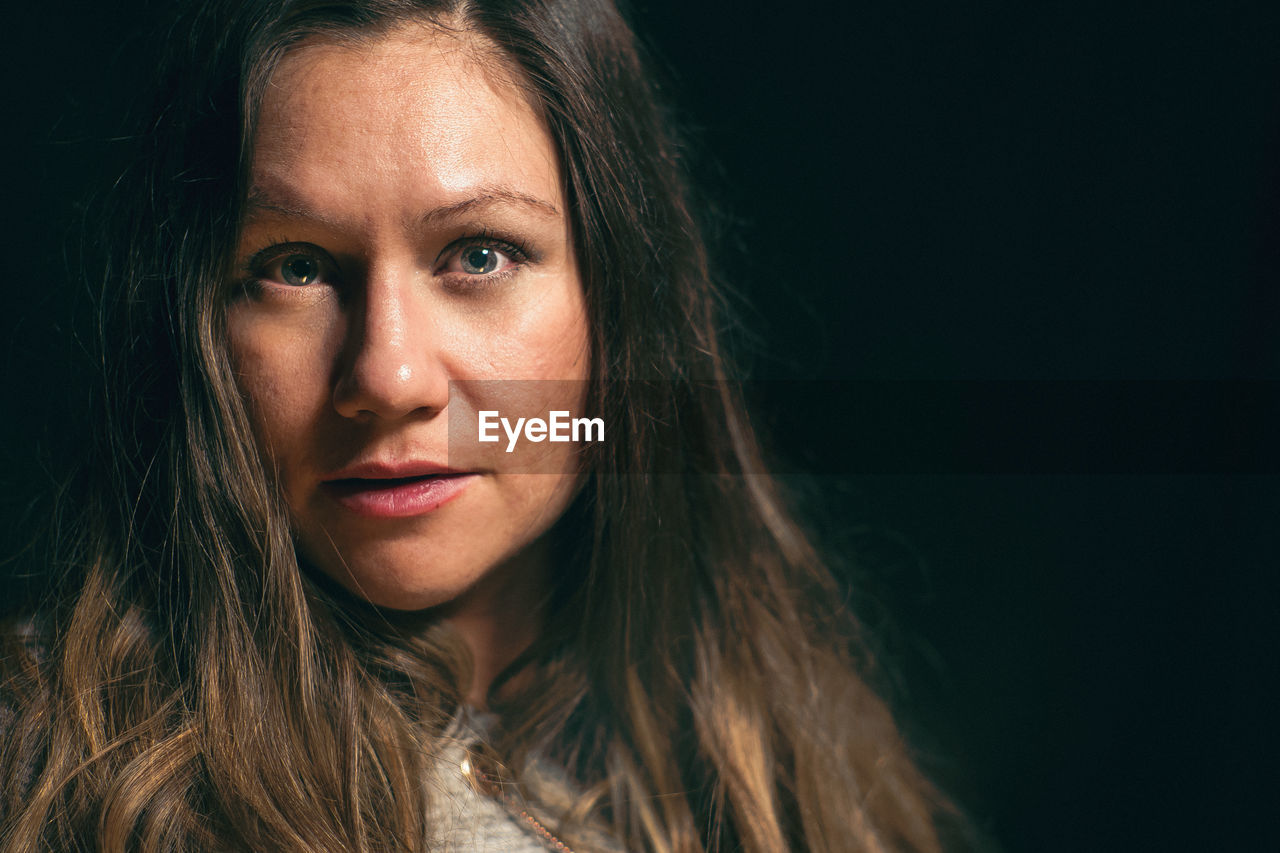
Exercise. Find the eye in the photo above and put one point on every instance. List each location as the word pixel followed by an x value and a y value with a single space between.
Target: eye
pixel 479 260
pixel 484 255
pixel 292 265
pixel 299 270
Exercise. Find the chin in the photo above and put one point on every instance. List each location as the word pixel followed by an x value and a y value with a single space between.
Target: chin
pixel 408 592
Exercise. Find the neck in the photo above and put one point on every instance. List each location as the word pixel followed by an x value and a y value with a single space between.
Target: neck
pixel 500 617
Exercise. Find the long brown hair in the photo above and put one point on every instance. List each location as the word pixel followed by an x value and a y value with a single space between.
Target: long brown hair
pixel 187 684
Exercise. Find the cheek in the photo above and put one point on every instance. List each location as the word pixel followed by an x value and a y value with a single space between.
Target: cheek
pixel 535 501
pixel 281 375
pixel 552 341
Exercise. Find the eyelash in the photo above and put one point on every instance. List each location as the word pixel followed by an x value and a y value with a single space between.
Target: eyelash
pixel 518 254
pixel 255 268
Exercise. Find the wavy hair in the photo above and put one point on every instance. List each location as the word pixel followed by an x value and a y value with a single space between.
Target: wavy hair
pixel 188 685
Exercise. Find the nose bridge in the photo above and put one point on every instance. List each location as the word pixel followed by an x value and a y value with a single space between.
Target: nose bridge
pixel 391 366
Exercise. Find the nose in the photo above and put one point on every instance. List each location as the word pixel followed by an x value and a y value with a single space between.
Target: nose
pixel 392 365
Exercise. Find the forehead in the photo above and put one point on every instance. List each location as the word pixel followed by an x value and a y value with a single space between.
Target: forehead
pixel 417 114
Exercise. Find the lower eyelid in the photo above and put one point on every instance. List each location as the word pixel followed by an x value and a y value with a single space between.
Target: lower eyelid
pixel 467 282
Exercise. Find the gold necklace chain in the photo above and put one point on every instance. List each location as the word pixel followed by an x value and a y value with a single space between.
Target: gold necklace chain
pixel 490 787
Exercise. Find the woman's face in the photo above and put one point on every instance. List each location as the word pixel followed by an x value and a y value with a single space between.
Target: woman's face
pixel 405 229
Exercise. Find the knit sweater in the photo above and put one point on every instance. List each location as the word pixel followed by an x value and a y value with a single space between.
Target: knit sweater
pixel 465 818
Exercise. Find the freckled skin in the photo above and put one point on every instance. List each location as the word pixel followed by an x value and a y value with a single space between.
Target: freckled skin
pixel 356 144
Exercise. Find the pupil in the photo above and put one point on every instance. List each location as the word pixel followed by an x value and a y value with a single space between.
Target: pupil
pixel 478 260
pixel 299 270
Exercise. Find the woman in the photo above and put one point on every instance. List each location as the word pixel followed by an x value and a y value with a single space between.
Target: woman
pixel 296 611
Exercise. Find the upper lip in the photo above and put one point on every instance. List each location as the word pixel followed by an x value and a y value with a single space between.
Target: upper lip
pixel 380 470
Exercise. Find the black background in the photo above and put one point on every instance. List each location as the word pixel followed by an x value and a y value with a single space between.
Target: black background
pixel 943 190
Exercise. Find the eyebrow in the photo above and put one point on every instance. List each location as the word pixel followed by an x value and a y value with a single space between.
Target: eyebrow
pixel 262 199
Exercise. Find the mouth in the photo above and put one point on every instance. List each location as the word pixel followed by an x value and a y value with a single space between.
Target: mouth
pixel 397 497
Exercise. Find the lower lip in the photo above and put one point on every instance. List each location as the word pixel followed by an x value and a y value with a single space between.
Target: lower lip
pixel 397 498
